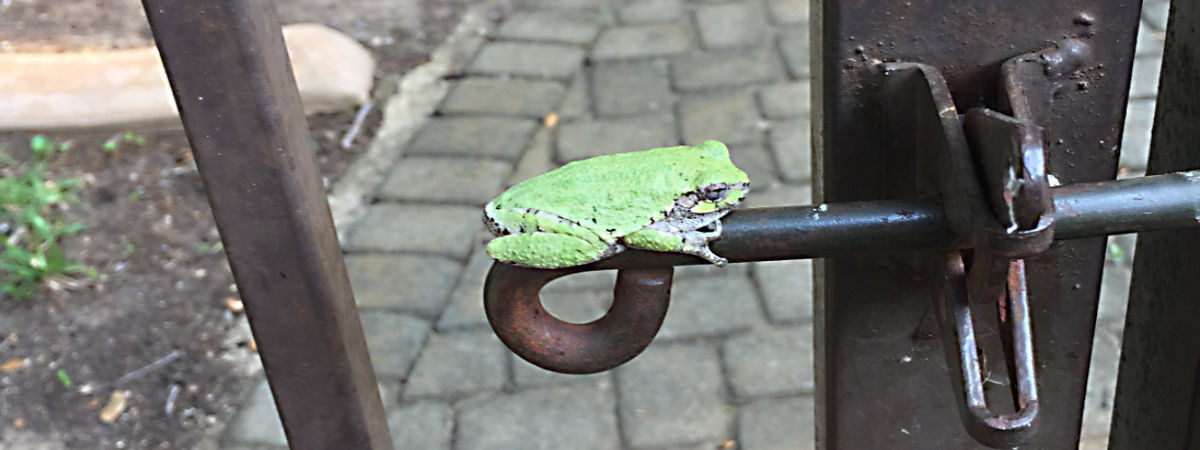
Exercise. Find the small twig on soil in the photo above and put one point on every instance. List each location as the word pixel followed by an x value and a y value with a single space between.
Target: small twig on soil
pixel 148 368
pixel 170 406
pixel 357 125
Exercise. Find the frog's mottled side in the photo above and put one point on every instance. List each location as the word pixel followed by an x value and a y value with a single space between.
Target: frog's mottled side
pixel 665 199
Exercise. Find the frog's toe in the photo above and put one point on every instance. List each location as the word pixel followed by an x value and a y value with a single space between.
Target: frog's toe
pixel 706 253
pixel 711 235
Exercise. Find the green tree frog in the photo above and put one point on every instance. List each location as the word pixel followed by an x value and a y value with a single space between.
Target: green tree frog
pixel 665 199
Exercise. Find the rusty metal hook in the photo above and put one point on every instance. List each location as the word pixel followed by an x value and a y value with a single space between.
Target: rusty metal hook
pixel 954 314
pixel 514 308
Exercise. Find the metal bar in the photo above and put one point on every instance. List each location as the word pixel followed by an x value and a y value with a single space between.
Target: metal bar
pixel 1158 385
pixel 230 74
pixel 513 305
pixel 1083 210
pixel 872 364
pixel 1123 206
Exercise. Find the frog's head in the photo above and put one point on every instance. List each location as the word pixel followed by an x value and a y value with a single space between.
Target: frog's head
pixel 723 185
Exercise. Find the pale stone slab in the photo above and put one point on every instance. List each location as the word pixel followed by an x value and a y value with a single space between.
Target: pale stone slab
pixel 128 86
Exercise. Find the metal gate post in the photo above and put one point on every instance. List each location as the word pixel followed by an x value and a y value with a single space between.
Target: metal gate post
pixel 233 84
pixel 881 376
pixel 1158 387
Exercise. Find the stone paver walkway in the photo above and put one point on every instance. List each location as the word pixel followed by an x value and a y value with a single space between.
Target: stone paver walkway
pixel 734 359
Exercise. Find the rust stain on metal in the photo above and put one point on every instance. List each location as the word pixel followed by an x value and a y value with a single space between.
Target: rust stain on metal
pixel 515 311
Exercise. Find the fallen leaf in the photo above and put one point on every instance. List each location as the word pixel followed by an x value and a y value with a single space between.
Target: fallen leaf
pixel 550 120
pixel 12 365
pixel 234 305
pixel 19 423
pixel 115 406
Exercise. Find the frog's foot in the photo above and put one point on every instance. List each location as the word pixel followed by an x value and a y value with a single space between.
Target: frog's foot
pixel 689 242
pixel 703 251
pixel 548 250
pixel 715 226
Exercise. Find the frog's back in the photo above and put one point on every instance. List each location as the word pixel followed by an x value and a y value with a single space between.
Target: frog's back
pixel 619 193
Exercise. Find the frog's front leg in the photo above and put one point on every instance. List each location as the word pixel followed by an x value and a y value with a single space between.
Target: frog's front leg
pixel 690 242
pixel 547 250
pixel 715 233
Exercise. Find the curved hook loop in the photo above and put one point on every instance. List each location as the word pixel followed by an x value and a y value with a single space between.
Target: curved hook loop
pixel 514 308
pixel 996 430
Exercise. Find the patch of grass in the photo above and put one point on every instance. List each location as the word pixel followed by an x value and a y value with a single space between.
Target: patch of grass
pixel 31 223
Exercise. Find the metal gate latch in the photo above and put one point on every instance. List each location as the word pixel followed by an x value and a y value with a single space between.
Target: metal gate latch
pixel 990 172
pixel 980 185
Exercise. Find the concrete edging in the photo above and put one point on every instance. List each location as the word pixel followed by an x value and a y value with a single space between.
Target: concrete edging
pixel 128 87
pixel 418 93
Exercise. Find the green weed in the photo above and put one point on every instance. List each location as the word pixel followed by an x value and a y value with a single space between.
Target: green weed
pixel 114 143
pixel 31 222
pixel 64 378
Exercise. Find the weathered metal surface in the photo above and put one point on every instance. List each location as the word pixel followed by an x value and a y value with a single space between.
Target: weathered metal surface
pixel 233 84
pixel 874 363
pixel 1012 164
pixel 1158 388
pixel 515 311
pixel 1083 210
pixel 764 234
pixel 1111 207
pixel 983 421
pixel 922 109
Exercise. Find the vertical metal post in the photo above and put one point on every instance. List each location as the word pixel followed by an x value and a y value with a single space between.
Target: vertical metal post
pixel 233 83
pixel 1158 386
pixel 881 376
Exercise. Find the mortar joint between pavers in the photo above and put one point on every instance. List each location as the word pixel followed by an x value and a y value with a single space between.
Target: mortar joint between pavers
pixel 760 295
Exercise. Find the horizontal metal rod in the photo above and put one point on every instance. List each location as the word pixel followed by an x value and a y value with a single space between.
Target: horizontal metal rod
pixel 885 226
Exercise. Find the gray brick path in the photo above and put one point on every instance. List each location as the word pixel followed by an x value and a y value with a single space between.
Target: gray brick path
pixel 651 11
pixel 507 96
pixel 422 425
pixel 548 26
pixel 672 394
pixel 457 364
pixel 526 59
pixel 453 180
pixel 623 89
pixel 730 117
pixel 731 25
pixel 587 138
pixel 415 283
pixel 707 71
pixel 734 359
pixel 641 41
pixel 577 417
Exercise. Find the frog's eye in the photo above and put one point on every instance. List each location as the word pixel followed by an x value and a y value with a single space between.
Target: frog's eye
pixel 714 195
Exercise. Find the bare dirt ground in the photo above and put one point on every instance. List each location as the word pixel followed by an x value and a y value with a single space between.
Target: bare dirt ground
pixel 164 288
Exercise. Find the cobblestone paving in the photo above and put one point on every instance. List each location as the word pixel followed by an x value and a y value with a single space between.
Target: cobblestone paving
pixel 734 359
